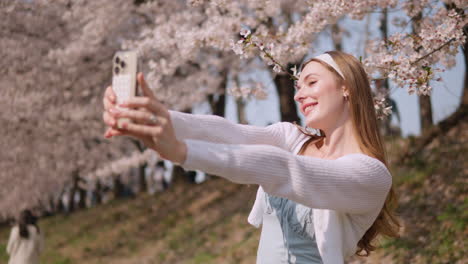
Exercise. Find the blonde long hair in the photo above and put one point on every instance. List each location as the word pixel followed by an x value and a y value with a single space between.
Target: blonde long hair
pixel 366 129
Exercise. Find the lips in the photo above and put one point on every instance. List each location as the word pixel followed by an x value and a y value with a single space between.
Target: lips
pixel 307 105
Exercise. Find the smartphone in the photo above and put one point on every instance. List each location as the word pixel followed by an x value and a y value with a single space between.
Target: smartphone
pixel 124 82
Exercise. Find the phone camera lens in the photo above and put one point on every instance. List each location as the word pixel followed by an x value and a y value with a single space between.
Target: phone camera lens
pixel 122 64
pixel 116 70
pixel 117 59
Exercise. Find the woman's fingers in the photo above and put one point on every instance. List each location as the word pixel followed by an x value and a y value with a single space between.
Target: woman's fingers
pixel 141 131
pixel 147 140
pixel 110 132
pixel 145 125
pixel 109 119
pixel 151 104
pixel 109 93
pixel 138 115
pixel 144 86
pixel 107 104
pixel 109 99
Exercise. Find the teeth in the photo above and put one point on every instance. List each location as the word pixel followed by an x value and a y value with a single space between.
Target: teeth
pixel 307 108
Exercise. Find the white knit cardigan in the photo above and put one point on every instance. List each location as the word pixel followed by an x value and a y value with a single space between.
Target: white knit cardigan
pixel 346 194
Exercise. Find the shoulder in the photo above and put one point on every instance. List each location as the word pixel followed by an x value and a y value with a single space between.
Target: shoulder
pixel 367 167
pixel 14 233
pixel 15 229
pixel 295 128
pixel 32 228
pixel 366 160
pixel 292 133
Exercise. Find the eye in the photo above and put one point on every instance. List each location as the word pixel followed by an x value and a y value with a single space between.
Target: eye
pixel 312 82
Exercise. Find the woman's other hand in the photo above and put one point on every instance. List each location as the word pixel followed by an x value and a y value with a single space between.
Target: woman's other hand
pixel 150 122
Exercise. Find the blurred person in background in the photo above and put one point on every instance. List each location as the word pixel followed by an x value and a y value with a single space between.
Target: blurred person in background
pixel 26 240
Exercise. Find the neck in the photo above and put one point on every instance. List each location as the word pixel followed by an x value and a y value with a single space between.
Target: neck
pixel 340 139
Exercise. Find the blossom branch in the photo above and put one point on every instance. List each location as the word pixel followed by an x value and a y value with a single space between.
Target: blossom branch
pixel 434 51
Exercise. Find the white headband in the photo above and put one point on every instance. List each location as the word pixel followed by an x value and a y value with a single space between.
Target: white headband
pixel 325 57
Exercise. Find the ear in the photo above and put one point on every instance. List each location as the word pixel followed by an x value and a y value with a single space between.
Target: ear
pixel 345 91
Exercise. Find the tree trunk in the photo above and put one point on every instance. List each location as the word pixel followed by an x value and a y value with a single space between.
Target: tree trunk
pixel 425 106
pixel 60 206
pixel 141 178
pixel 461 12
pixel 218 104
pixel 284 87
pixel 118 187
pixel 52 205
pixel 97 192
pixel 71 201
pixel 336 37
pixel 82 202
pixel 241 111
pixel 464 100
pixel 425 111
pixel 141 169
pixel 384 86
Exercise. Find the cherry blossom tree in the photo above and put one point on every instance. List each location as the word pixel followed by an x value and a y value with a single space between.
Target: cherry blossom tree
pixel 51 111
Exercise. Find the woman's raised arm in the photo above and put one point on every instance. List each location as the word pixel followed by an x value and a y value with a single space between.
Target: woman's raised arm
pixel 189 126
pixel 217 129
pixel 354 183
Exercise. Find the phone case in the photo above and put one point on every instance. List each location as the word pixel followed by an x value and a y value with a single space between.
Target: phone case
pixel 124 83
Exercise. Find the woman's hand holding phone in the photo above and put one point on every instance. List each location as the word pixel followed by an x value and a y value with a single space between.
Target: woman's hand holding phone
pixel 150 122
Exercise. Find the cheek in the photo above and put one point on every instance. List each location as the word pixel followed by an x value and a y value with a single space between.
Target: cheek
pixel 325 89
pixel 331 103
pixel 337 104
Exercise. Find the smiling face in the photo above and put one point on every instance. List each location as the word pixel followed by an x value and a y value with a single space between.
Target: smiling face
pixel 319 93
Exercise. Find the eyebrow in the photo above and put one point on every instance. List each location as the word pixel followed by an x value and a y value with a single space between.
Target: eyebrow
pixel 308 75
pixel 305 79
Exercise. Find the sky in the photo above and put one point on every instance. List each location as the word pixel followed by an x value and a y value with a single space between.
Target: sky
pixel 446 95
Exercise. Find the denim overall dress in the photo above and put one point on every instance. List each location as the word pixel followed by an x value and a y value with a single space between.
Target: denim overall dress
pixel 287 233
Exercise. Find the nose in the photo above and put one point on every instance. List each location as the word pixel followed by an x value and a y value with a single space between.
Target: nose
pixel 298 97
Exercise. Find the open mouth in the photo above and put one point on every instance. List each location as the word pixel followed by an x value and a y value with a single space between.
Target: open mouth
pixel 309 108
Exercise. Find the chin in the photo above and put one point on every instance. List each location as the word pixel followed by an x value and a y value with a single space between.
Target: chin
pixel 314 122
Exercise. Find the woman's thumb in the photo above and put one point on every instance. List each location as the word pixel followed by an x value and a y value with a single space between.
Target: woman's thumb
pixel 144 86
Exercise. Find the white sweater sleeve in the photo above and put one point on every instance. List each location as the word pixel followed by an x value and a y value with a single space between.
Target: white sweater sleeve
pixel 217 129
pixel 355 183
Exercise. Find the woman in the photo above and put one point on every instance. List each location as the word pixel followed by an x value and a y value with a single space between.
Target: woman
pixel 26 240
pixel 322 198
